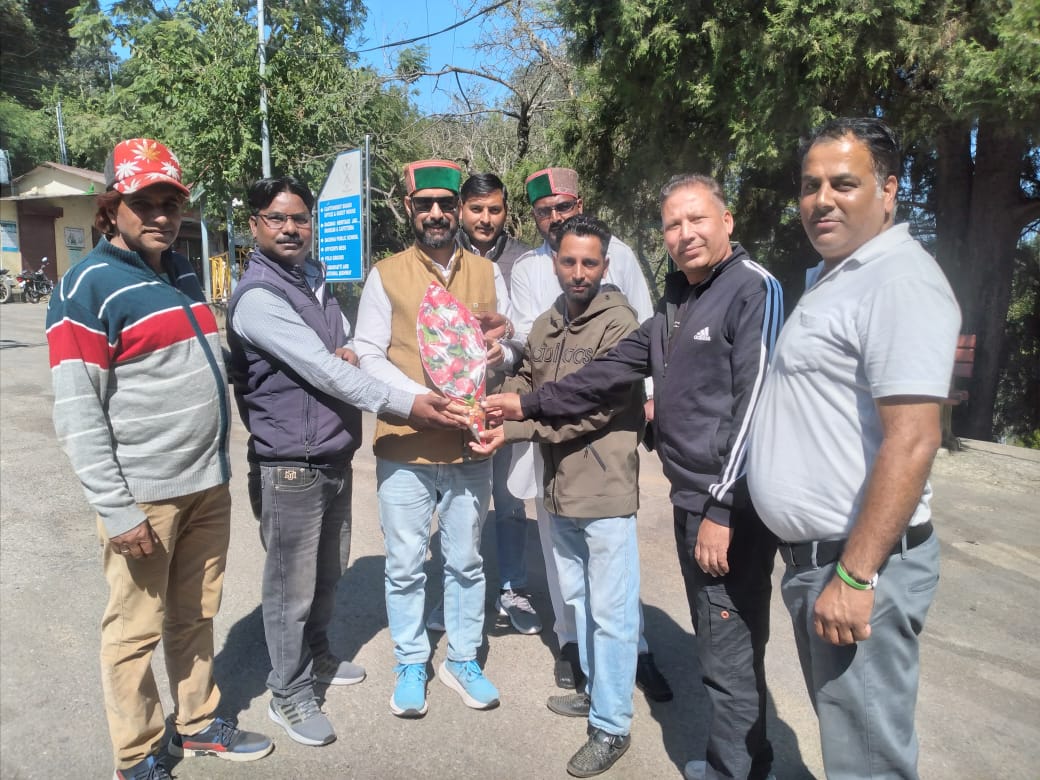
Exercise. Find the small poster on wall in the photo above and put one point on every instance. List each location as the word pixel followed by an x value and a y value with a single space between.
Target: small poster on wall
pixel 9 236
pixel 74 237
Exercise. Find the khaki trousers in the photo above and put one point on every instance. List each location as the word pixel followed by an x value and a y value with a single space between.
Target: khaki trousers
pixel 172 595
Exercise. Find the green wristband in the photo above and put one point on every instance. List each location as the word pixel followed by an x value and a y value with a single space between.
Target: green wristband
pixel 851 581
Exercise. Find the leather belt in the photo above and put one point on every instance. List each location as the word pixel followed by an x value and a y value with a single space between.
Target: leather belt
pixel 822 553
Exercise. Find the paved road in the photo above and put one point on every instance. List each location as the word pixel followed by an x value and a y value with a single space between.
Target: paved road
pixel 980 696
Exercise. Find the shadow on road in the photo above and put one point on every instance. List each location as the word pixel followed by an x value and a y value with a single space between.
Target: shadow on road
pixel 684 720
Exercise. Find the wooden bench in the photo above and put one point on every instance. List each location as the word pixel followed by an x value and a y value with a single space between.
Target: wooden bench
pixel 963 368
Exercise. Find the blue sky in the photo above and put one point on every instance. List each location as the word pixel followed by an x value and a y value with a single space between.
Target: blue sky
pixel 395 20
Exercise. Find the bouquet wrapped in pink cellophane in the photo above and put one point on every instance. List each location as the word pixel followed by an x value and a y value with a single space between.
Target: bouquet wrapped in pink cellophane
pixel 452 349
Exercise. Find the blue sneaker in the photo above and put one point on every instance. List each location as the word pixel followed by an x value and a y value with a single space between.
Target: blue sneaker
pixel 469 682
pixel 223 739
pixel 409 699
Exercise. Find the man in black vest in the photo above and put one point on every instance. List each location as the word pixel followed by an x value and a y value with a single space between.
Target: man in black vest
pixel 300 394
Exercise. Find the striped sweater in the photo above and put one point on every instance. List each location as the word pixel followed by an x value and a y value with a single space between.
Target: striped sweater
pixel 140 393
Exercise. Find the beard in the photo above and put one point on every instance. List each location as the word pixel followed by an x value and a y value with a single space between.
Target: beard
pixel 555 236
pixel 423 233
pixel 585 297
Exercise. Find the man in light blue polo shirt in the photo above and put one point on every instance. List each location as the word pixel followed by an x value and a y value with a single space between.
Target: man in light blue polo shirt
pixel 842 444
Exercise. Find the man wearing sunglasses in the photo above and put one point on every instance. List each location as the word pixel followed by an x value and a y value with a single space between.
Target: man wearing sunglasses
pixel 554 197
pixel 483 212
pixel 300 395
pixel 422 472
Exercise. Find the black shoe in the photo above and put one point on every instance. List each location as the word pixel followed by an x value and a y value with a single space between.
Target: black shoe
pixel 151 768
pixel 598 754
pixel 650 680
pixel 572 705
pixel 568 671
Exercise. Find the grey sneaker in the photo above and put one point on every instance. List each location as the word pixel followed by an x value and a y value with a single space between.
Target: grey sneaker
pixel 695 770
pixel 435 620
pixel 518 609
pixel 329 670
pixel 598 754
pixel 302 720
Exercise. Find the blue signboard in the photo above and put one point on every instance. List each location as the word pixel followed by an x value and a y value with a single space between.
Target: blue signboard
pixel 340 223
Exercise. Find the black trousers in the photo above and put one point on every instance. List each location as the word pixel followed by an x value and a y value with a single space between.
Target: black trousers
pixel 731 618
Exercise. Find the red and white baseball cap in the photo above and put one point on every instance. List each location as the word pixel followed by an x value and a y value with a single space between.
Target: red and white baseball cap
pixel 142 162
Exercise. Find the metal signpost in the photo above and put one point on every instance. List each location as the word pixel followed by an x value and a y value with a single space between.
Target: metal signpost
pixel 341 227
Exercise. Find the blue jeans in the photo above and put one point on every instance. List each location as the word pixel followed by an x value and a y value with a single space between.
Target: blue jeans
pixel 865 694
pixel 563 625
pixel 408 496
pixel 510 526
pixel 598 563
pixel 304 514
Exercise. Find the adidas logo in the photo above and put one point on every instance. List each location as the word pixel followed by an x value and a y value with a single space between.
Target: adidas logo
pixel 702 335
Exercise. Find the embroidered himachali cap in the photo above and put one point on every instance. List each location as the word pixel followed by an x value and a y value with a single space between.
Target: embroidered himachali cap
pixel 432 174
pixel 142 162
pixel 551 181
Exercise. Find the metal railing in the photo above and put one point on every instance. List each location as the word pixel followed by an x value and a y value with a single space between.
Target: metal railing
pixel 224 275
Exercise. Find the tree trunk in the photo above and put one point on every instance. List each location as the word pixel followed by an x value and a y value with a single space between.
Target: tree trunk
pixel 953 172
pixel 523 131
pixel 994 229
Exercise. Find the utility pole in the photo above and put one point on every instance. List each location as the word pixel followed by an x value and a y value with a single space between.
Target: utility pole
pixel 61 136
pixel 265 139
pixel 366 261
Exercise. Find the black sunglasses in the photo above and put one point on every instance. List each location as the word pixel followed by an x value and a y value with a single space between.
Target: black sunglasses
pixel 446 203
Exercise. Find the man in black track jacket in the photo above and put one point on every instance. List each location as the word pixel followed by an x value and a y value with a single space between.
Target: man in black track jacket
pixel 707 349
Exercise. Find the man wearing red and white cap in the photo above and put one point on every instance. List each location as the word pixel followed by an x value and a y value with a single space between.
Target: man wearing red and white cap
pixel 141 409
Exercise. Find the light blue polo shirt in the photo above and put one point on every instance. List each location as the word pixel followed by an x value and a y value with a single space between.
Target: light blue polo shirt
pixel 883 323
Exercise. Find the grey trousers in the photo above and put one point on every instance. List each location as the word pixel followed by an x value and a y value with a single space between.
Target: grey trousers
pixel 865 694
pixel 305 524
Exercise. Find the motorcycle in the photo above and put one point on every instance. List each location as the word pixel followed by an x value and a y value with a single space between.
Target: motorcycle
pixel 6 283
pixel 35 284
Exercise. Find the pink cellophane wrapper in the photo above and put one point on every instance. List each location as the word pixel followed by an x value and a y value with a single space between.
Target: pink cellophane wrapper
pixel 452 349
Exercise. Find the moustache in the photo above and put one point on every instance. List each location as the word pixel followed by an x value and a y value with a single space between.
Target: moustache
pixel 436 223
